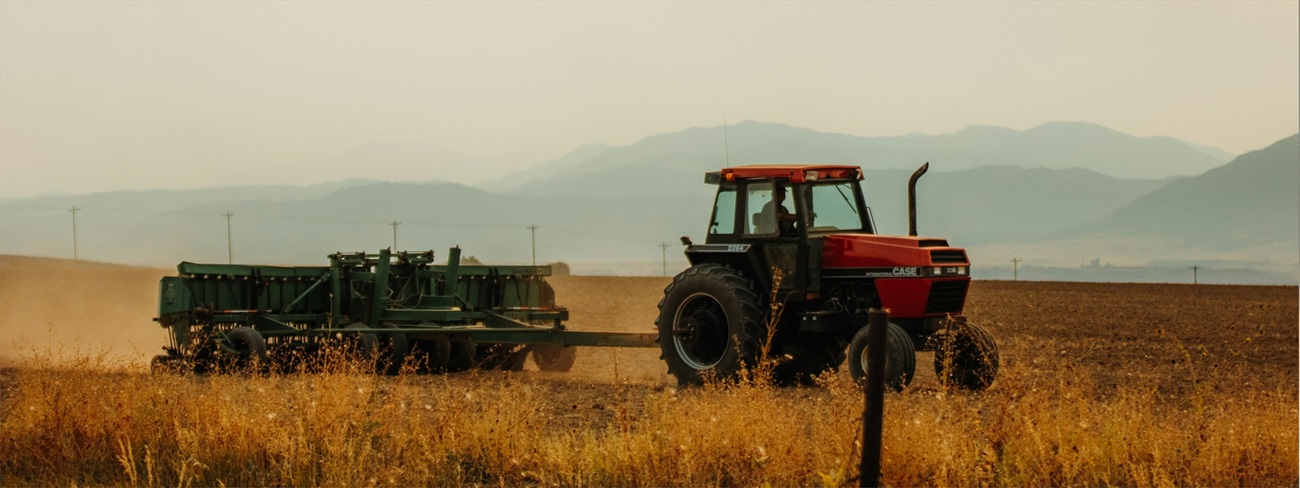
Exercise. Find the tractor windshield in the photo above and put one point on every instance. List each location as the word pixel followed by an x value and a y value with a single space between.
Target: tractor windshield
pixel 833 206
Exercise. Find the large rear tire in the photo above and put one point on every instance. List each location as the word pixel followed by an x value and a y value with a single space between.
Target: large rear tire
pixel 966 357
pixel 900 357
pixel 710 324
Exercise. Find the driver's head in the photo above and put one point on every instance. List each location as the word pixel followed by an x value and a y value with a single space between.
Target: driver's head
pixel 779 194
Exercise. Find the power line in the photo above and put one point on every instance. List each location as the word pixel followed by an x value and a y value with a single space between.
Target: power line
pixel 74 232
pixel 533 228
pixel 230 246
pixel 664 248
pixel 726 143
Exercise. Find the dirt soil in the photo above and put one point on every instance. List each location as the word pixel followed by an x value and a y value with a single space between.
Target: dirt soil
pixel 1172 339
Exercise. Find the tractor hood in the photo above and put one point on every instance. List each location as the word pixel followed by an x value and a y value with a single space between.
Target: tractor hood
pixel 877 251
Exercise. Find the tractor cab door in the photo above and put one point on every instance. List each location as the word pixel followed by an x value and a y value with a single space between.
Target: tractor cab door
pixel 772 225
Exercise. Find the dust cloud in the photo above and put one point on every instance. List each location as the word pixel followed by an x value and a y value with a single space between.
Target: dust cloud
pixel 56 309
pixel 613 304
pixel 59 309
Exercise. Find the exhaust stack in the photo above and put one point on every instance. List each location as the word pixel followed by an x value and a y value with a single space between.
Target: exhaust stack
pixel 911 198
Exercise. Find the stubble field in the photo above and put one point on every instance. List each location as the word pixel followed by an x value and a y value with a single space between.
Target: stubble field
pixel 1102 384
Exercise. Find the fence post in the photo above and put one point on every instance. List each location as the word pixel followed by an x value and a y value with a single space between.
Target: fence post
pixel 874 394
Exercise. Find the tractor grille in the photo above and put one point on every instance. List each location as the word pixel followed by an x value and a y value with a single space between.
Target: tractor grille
pixel 938 257
pixel 946 297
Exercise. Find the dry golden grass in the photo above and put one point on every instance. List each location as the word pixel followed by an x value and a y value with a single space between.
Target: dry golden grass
pixel 91 423
pixel 1142 386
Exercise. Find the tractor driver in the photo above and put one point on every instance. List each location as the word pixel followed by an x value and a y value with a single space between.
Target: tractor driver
pixel 775 211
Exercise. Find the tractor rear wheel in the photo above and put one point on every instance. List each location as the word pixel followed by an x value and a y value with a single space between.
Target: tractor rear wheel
pixel 900 357
pixel 966 357
pixel 710 323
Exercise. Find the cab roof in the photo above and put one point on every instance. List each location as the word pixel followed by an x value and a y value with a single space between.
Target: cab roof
pixel 796 173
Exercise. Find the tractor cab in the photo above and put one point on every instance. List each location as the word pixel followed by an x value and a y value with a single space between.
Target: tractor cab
pixel 774 218
pixel 775 202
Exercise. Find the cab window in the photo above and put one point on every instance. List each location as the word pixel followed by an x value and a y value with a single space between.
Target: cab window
pixel 724 212
pixel 757 196
pixel 833 207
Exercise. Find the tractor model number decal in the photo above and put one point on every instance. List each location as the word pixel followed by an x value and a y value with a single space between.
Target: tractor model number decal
pixel 907 271
pixel 737 247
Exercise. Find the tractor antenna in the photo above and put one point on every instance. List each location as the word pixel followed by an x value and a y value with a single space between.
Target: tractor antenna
pixel 726 144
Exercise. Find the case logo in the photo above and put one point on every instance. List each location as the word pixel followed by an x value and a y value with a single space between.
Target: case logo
pixel 907 271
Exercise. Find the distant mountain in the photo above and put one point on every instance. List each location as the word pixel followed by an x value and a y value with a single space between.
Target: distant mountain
pixel 1000 203
pixel 431 216
pixel 43 225
pixel 1253 200
pixel 1213 152
pixel 162 200
pixel 657 162
pixel 515 180
pixel 603 205
pixel 388 161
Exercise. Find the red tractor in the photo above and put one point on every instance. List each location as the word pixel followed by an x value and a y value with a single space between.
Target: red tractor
pixel 801 237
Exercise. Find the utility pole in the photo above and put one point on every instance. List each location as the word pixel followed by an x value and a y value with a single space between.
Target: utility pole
pixel 1194 268
pixel 230 246
pixel 74 232
pixel 533 228
pixel 664 246
pixel 394 224
pixel 1015 269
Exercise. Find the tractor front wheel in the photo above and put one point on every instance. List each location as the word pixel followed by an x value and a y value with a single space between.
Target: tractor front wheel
pixel 710 323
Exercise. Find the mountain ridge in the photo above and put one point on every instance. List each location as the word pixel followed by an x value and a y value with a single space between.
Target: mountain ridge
pixel 1055 145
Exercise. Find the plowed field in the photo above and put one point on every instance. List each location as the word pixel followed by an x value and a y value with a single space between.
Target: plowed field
pixel 1166 337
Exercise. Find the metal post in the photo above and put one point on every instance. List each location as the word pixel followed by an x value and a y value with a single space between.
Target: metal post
pixel 74 233
pixel 534 229
pixel 1015 269
pixel 230 247
pixel 874 395
pixel 1194 268
pixel 664 247
pixel 395 224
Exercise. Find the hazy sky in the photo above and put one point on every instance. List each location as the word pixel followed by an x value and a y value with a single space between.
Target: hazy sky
pixel 116 95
